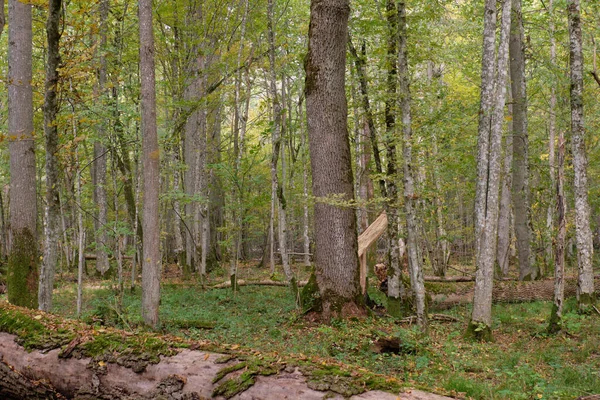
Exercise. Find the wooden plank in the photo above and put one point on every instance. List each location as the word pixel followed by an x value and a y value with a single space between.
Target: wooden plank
pixel 372 233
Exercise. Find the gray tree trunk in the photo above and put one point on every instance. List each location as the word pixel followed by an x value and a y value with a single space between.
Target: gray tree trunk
pixel 520 190
pixel 585 292
pixel 23 259
pixel 504 216
pixel 336 245
pixel 489 143
pixel 2 18
pixel 558 181
pixel 52 212
pixel 100 155
pixel 552 147
pixel 276 140
pixel 151 261
pixel 412 244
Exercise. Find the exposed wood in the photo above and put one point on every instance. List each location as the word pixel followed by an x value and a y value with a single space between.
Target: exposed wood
pixel 372 233
pixel 191 373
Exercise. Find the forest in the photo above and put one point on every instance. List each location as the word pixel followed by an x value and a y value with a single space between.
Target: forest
pixel 302 199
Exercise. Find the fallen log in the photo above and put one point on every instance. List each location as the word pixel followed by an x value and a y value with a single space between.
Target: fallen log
pixel 45 357
pixel 512 292
pixel 267 282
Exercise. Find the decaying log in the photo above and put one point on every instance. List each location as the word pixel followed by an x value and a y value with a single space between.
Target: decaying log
pixel 513 292
pixel 184 374
pixel 267 282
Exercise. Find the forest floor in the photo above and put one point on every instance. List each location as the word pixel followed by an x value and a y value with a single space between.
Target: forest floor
pixel 523 362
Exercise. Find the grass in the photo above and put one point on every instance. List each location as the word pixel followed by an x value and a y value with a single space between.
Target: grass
pixel 522 363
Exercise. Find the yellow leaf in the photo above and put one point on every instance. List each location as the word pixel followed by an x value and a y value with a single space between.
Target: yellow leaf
pixel 38 317
pixel 101 363
pixel 206 357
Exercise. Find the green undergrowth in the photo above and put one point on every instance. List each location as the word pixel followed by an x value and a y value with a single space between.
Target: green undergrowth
pixel 31 332
pixel 522 362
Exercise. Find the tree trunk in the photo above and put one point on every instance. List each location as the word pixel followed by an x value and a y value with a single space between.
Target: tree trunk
pixel 414 266
pixel 505 212
pixel 520 190
pixel 52 223
pixel 585 294
pixel 557 177
pixel 491 116
pixel 23 259
pixel 151 261
pixel 276 141
pixel 336 246
pixel 2 18
pixel 100 154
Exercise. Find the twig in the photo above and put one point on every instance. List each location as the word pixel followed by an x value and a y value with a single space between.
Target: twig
pixel 595 309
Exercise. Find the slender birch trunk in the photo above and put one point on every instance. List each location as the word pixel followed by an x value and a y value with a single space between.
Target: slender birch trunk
pixel 491 116
pixel 585 250
pixel 550 216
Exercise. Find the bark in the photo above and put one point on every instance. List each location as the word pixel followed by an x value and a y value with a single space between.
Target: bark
pixel 414 267
pixel 276 141
pixel 151 261
pixel 52 212
pixel 585 294
pixel 557 175
pixel 100 152
pixel 2 18
pixel 504 216
pixel 359 62
pixel 520 190
pixel 336 257
pixel 491 116
pixel 23 259
pixel 550 218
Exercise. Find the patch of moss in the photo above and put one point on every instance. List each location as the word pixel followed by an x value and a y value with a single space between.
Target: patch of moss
pixel 231 387
pixel 252 367
pixel 32 334
pixel 135 352
pixel 479 331
pixel 585 302
pixel 555 323
pixel 23 276
pixel 336 379
pixel 310 298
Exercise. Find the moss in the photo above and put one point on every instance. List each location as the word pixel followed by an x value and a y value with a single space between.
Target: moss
pixel 234 285
pixel 479 331
pixel 555 323
pixel 231 387
pixel 188 324
pixel 310 298
pixel 32 334
pixel 347 383
pixel 585 302
pixel 252 367
pixel 23 275
pixel 398 308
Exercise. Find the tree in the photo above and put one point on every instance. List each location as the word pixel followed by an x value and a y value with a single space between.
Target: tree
pixel 151 261
pixel 51 231
pixel 100 151
pixel 489 140
pixel 585 250
pixel 336 245
pixel 520 142
pixel 414 266
pixel 23 256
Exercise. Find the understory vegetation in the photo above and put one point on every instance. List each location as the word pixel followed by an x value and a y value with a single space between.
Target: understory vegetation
pixel 522 363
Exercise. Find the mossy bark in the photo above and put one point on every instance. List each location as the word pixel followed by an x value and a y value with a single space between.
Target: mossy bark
pixel 23 275
pixel 555 323
pixel 585 301
pixel 479 331
pixel 310 299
